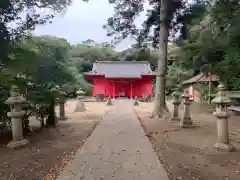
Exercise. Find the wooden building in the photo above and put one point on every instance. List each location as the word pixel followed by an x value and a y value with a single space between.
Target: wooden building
pixel 190 85
pixel 121 78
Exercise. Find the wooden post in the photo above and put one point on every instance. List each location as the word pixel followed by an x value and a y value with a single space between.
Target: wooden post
pixel 114 90
pixel 210 84
pixel 209 88
pixel 131 90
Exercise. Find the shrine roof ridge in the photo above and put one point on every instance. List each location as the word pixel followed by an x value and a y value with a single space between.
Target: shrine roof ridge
pixel 113 69
pixel 123 62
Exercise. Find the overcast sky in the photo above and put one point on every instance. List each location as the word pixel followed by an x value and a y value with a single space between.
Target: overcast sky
pixel 83 21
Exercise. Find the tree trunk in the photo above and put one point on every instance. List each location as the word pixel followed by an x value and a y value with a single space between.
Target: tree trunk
pixel 160 107
pixel 25 124
pixel 51 119
pixel 42 120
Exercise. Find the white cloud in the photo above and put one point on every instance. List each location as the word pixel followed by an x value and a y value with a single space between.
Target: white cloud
pixel 83 21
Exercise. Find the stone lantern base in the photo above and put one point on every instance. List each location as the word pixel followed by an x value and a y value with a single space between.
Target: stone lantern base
pixel 17 144
pixel 64 118
pixel 224 147
pixel 135 103
pixel 175 119
pixel 109 102
pixel 187 123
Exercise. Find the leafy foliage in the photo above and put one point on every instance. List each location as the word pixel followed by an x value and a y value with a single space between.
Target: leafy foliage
pixel 204 36
pixel 205 31
pixel 213 44
pixel 18 17
pixel 37 65
pixel 176 75
pixel 21 56
pixel 179 14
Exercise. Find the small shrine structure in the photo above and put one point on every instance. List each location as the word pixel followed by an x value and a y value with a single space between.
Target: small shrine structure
pixel 190 85
pixel 121 78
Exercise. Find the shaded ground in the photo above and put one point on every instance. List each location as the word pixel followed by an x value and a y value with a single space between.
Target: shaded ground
pixel 49 150
pixel 188 154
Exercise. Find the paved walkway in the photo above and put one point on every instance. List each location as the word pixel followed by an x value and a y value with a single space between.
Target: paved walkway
pixel 117 150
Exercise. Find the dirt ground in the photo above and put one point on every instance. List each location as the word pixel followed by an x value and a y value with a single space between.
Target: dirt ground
pixel 188 154
pixel 49 150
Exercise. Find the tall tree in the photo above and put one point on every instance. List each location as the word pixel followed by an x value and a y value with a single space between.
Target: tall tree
pixel 19 17
pixel 213 43
pixel 164 17
pixel 160 101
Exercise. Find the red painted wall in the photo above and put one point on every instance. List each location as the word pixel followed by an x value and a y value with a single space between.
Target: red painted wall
pixel 105 86
pixel 146 86
pixel 98 86
pixel 102 86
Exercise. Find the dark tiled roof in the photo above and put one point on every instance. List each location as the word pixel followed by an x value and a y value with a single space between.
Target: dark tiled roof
pixel 200 78
pixel 113 69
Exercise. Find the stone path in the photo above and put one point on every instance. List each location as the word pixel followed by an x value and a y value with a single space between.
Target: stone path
pixel 117 150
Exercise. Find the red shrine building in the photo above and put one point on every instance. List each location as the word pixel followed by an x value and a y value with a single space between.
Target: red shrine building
pixel 121 78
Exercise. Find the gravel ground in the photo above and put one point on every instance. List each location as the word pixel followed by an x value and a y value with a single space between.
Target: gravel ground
pixel 52 148
pixel 117 149
pixel 188 154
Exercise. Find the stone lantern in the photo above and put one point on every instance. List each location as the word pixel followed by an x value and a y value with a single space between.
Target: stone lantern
pixel 109 102
pixel 221 102
pixel 62 100
pixel 16 101
pixel 186 121
pixel 176 103
pixel 80 107
pixel 136 101
pixel 80 94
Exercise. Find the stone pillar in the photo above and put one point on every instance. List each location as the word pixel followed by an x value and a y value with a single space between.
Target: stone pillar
pixel 176 103
pixel 62 101
pixel 136 101
pixel 16 101
pixel 186 121
pixel 109 102
pixel 222 101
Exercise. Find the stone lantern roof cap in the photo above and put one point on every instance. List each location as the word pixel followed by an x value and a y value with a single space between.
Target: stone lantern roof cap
pixel 61 92
pixel 221 100
pixel 80 92
pixel 15 100
pixel 221 97
pixel 176 94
